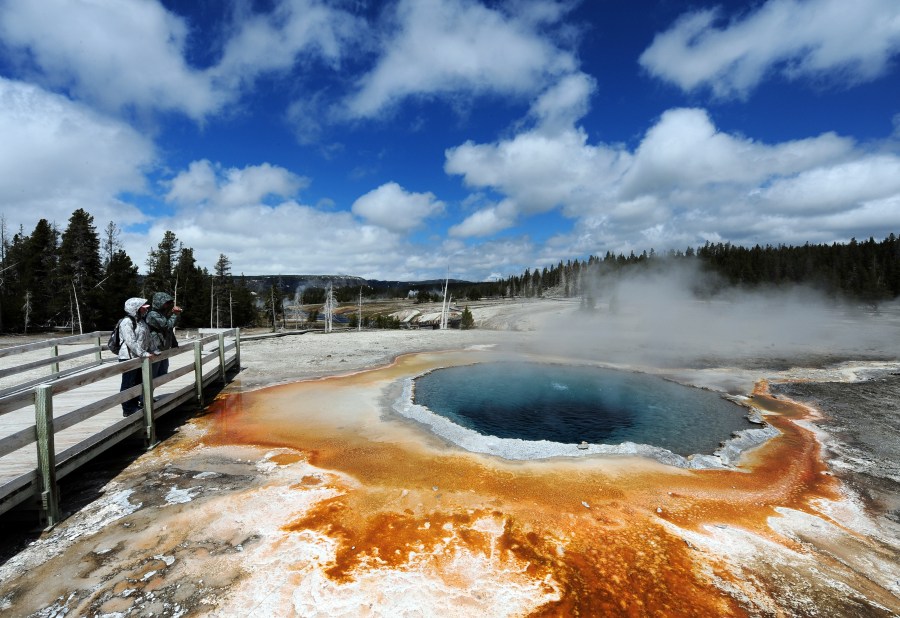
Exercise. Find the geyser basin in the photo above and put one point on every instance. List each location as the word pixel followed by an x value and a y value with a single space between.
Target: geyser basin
pixel 569 404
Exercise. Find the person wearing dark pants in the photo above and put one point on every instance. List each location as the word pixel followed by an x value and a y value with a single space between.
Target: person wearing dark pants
pixel 136 343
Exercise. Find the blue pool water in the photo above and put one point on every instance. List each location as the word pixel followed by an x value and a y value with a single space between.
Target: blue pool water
pixel 571 404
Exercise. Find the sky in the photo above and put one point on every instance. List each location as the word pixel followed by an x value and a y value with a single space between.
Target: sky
pixel 397 140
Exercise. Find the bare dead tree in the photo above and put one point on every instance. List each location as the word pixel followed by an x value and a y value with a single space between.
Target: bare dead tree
pixel 110 242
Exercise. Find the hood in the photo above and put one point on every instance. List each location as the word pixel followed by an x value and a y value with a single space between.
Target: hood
pixel 160 299
pixel 133 304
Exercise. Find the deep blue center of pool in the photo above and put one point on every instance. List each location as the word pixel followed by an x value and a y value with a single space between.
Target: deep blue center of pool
pixel 571 404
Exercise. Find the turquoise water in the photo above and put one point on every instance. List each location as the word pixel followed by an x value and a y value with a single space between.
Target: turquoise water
pixel 571 404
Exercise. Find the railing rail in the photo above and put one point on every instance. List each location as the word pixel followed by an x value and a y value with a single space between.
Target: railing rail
pixel 95 347
pixel 41 482
pixel 92 337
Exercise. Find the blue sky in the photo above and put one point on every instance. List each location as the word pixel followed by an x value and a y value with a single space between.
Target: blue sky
pixel 392 139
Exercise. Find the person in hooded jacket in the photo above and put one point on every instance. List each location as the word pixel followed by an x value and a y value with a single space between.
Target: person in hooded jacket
pixel 162 318
pixel 136 343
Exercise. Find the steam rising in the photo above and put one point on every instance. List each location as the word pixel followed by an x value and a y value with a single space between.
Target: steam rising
pixel 676 314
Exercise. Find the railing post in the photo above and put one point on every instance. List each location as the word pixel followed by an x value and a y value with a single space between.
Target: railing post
pixel 98 355
pixel 149 426
pixel 237 349
pixel 54 368
pixel 198 370
pixel 222 357
pixel 46 453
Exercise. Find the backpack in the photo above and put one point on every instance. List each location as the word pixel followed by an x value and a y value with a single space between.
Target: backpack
pixel 115 339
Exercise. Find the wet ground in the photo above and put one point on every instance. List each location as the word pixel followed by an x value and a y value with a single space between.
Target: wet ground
pixel 861 421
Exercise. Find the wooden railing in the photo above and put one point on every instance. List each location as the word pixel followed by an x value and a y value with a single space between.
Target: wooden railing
pixel 87 396
pixel 95 348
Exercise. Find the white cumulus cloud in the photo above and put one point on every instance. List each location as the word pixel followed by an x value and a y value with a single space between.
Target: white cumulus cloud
pixel 686 182
pixel 564 103
pixel 839 187
pixel 393 208
pixel 539 171
pixel 57 156
pixel 451 46
pixel 848 42
pixel 288 237
pixel 273 41
pixel 208 184
pixel 685 149
pixel 123 54
pixel 486 221
pixel 291 237
pixel 117 53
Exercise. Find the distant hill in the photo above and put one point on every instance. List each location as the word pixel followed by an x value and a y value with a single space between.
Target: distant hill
pixel 290 284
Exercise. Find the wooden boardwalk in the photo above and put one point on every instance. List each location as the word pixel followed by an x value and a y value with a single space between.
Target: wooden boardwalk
pixel 58 411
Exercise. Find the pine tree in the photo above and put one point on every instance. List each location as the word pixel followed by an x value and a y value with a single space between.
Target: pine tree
pixel 467 321
pixel 222 289
pixel 81 268
pixel 120 282
pixel 37 259
pixel 161 265
pixel 191 289
pixel 243 304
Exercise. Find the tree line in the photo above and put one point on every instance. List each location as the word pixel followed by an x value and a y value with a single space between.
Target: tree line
pixel 867 271
pixel 79 279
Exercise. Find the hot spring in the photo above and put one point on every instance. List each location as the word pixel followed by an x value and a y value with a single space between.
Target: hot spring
pixel 565 404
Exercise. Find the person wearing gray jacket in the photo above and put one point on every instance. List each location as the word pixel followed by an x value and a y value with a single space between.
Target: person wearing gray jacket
pixel 136 343
pixel 162 318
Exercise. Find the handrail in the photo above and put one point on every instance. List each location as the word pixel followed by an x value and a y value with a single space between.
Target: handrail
pixel 9 371
pixel 16 401
pixel 49 343
pixel 76 381
pixel 15 441
pixel 95 346
pixel 44 478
